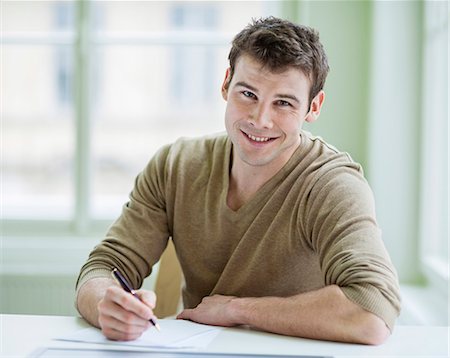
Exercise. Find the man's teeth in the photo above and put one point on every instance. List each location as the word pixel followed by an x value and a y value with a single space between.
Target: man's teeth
pixel 257 139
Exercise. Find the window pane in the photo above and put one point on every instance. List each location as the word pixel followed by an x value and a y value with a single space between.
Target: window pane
pixel 37 16
pixel 37 131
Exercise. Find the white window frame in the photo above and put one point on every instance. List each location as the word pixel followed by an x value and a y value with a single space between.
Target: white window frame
pixel 434 226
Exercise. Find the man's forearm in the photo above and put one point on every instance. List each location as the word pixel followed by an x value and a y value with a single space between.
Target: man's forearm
pixel 323 314
pixel 90 295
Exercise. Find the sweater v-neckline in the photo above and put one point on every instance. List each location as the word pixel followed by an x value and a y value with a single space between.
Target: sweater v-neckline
pixel 261 193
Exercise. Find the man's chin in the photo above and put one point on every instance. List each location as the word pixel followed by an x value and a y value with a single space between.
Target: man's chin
pixel 256 160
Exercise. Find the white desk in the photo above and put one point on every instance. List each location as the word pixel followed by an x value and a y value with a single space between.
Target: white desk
pixel 22 334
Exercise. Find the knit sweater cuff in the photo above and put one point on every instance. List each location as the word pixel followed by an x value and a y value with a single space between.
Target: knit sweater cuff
pixel 372 300
pixel 88 275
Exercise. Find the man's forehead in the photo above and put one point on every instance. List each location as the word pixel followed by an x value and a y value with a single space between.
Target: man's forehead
pixel 252 70
pixel 250 64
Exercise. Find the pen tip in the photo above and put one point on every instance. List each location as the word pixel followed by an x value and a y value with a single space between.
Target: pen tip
pixel 158 327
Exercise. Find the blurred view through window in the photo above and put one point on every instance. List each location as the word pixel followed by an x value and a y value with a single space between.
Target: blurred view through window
pixel 154 71
pixel 37 109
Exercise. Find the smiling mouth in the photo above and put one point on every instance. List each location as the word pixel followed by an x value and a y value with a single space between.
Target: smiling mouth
pixel 258 139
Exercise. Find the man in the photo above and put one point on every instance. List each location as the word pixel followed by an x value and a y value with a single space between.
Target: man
pixel 273 228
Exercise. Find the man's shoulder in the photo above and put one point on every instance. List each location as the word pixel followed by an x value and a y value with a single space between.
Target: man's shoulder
pixel 325 155
pixel 323 146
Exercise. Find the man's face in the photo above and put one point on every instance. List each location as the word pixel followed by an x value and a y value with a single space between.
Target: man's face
pixel 265 112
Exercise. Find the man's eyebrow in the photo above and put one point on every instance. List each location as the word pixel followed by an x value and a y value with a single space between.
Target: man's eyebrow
pixel 289 96
pixel 280 95
pixel 245 84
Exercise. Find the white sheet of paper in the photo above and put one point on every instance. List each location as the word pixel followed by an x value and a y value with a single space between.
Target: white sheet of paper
pixel 174 334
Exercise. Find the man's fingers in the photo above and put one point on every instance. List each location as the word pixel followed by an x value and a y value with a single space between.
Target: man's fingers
pixel 110 323
pixel 119 336
pixel 119 313
pixel 111 332
pixel 185 314
pixel 130 303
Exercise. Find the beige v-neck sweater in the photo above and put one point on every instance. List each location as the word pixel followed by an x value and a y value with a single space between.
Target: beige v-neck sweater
pixel 311 225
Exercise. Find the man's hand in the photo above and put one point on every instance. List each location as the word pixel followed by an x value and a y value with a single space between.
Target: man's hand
pixel 122 317
pixel 119 314
pixel 213 310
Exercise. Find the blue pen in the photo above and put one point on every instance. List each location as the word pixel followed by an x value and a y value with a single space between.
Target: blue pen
pixel 126 286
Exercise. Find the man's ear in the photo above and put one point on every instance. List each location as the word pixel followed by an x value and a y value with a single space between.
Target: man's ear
pixel 315 107
pixel 226 84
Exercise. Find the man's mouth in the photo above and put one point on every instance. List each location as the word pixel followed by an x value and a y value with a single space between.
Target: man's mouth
pixel 258 139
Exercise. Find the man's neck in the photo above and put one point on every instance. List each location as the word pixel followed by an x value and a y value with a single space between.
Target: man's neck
pixel 246 180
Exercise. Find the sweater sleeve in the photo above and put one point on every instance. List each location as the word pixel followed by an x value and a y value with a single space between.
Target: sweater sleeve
pixel 136 240
pixel 343 230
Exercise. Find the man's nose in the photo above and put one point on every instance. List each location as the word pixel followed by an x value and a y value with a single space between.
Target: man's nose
pixel 261 117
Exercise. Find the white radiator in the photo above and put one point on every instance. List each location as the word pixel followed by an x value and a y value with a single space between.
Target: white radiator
pixel 30 294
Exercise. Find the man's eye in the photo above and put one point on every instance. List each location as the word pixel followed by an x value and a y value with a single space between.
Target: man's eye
pixel 283 103
pixel 248 94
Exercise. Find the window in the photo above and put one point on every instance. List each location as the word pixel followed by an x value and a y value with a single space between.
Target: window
pixel 92 89
pixel 434 198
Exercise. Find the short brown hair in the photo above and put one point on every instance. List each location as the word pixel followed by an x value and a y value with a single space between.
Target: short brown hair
pixel 278 44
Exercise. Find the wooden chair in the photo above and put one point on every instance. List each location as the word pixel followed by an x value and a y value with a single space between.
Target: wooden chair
pixel 168 284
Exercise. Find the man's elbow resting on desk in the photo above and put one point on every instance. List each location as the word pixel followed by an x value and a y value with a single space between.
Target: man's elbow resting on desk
pixel 371 330
pixel 367 328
